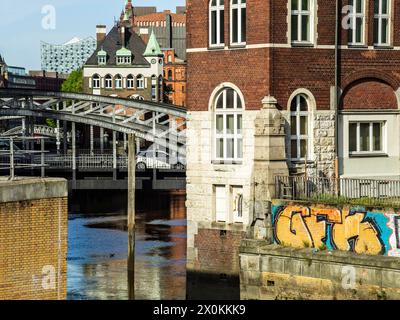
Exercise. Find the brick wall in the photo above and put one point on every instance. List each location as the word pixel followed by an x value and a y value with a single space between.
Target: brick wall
pixel 33 242
pixel 218 251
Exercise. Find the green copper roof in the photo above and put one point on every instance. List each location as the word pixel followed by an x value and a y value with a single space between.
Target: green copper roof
pixel 102 53
pixel 153 48
pixel 124 52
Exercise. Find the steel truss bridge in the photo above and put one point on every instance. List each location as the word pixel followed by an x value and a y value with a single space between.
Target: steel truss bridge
pixel 161 125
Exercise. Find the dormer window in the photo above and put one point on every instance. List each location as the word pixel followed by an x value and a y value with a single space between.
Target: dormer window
pixel 124 56
pixel 102 57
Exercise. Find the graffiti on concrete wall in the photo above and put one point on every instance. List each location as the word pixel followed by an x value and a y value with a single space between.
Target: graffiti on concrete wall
pixel 354 229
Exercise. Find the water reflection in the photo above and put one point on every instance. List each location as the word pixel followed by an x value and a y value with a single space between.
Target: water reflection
pixel 97 251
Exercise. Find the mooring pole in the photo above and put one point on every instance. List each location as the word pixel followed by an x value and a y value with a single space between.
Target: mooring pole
pixel 131 214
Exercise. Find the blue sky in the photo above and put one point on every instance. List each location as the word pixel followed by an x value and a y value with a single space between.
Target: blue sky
pixel 21 24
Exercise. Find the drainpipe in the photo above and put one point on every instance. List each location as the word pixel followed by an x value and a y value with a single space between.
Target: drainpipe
pixel 336 99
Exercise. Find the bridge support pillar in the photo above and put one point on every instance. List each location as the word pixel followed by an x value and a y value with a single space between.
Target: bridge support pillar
pixel 102 140
pixel 73 133
pixel 114 142
pixel 91 141
pixel 131 215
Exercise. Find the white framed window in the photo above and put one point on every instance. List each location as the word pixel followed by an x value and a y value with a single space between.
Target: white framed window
pixel 140 82
pixel 96 81
pixel 154 88
pixel 238 22
pixel 382 21
pixel 237 203
pixel 299 128
pixel 130 82
pixel 302 21
pixel 366 138
pixel 357 22
pixel 102 60
pixel 108 81
pixel 217 23
pixel 228 126
pixel 118 81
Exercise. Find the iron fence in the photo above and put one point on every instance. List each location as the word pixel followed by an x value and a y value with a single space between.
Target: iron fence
pixel 352 190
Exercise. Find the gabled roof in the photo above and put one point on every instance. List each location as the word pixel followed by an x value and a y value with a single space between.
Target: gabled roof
pixel 112 43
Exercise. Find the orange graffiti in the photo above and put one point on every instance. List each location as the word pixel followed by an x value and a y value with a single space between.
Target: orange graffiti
pixel 301 227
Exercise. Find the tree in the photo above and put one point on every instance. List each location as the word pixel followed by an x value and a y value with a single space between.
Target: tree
pixel 74 82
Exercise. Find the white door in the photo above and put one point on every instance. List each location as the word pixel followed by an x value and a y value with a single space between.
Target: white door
pixel 221 203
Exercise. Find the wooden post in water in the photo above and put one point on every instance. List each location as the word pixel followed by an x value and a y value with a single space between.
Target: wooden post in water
pixel 131 214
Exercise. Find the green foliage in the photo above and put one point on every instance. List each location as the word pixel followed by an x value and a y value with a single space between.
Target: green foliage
pixel 322 247
pixel 330 199
pixel 74 82
pixel 51 123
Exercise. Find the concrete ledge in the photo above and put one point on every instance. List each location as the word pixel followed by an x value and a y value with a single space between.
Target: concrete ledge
pixel 261 247
pixel 26 188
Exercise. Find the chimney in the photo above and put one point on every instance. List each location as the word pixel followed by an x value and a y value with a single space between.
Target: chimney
pixel 100 34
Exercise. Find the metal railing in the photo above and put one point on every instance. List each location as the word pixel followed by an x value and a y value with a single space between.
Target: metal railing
pixel 13 158
pixel 97 161
pixel 369 191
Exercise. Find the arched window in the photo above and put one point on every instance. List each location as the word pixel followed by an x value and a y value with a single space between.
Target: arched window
pixel 228 108
pixel 130 81
pixel 238 22
pixel 169 58
pixel 299 128
pixel 140 82
pixel 169 74
pixel 108 81
pixel 96 82
pixel 217 21
pixel 118 81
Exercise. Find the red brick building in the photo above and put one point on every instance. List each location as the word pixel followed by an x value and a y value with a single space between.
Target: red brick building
pixel 285 53
pixel 174 78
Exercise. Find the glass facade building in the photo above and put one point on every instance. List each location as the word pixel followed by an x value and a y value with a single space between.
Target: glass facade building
pixel 67 57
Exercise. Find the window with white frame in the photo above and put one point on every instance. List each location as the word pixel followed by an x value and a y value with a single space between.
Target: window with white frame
pixel 357 22
pixel 102 60
pixel 366 137
pixel 228 126
pixel 108 81
pixel 118 81
pixel 302 21
pixel 299 128
pixel 140 81
pixel 130 81
pixel 217 22
pixel 238 22
pixel 154 88
pixel 96 81
pixel 382 22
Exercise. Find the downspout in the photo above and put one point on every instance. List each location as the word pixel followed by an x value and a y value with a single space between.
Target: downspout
pixel 336 98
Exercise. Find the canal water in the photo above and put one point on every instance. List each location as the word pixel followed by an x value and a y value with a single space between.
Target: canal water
pixel 97 246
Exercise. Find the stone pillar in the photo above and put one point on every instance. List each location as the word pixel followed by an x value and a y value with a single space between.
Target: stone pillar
pixel 269 161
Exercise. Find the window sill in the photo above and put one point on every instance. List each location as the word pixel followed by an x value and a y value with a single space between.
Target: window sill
pixel 301 162
pixel 302 44
pixel 217 47
pixel 357 46
pixel 368 155
pixel 383 47
pixel 237 46
pixel 227 162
